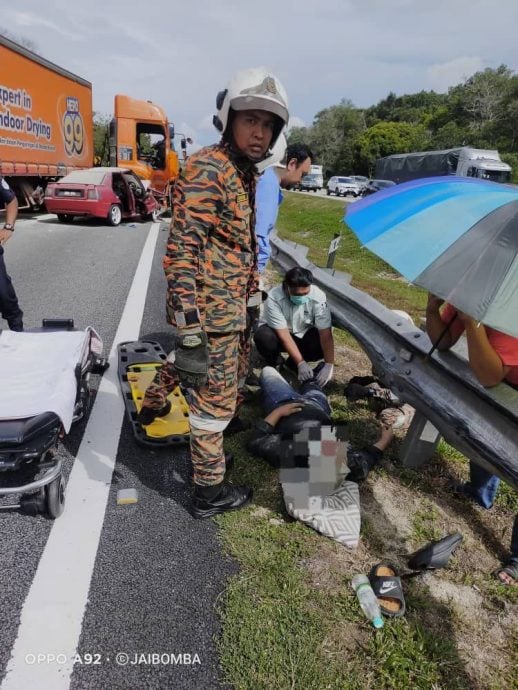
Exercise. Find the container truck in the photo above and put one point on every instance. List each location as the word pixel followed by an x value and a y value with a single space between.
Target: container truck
pixel 46 128
pixel 318 172
pixel 465 161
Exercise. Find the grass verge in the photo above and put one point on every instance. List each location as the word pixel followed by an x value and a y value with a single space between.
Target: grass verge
pixel 290 618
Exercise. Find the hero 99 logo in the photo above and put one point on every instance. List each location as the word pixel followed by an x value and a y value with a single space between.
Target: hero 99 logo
pixel 73 129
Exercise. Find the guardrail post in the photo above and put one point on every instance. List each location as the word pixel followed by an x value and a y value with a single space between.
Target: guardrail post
pixel 333 248
pixel 420 442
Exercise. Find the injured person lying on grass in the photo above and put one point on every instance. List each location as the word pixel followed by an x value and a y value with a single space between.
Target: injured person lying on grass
pixel 318 470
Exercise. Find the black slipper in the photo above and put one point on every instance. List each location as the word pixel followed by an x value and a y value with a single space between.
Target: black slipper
pixel 386 585
pixel 436 554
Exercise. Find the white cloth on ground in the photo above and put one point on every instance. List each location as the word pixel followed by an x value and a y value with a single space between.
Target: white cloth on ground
pixel 338 517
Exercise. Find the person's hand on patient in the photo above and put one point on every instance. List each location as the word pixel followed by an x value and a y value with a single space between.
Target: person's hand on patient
pixel 305 372
pixel 283 411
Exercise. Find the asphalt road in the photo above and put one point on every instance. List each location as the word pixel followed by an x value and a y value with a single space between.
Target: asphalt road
pixel 157 573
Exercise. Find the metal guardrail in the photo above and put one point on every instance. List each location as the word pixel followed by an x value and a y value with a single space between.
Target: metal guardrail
pixel 482 424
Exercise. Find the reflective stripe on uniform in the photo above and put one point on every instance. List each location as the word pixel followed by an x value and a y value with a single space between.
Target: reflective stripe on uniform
pixel 207 424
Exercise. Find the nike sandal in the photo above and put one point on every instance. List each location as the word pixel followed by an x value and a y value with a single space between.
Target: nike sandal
pixel 386 585
pixel 436 554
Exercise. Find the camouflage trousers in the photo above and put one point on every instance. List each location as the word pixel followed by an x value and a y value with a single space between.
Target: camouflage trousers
pixel 210 409
pixel 245 350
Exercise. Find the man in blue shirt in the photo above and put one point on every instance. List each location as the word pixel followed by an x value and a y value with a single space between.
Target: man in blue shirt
pixel 9 308
pixel 295 164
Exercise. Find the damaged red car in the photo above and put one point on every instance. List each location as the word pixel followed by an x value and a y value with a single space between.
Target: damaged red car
pixel 110 193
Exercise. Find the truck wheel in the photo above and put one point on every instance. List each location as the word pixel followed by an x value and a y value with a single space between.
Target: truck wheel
pixel 65 218
pixel 114 215
pixel 55 497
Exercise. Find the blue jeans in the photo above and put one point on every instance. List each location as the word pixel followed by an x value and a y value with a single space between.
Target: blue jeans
pixel 482 485
pixel 277 391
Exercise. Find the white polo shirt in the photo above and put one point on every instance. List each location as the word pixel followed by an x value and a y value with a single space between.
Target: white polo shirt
pixel 280 312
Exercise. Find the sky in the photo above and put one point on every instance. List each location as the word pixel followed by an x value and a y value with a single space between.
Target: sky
pixel 180 54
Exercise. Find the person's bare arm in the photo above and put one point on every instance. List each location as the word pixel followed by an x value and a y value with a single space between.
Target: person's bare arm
pixel 289 345
pixel 11 211
pixel 483 358
pixel 283 411
pixel 435 326
pixel 328 346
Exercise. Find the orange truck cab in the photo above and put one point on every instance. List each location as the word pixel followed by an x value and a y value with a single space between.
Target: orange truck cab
pixel 141 139
pixel 46 129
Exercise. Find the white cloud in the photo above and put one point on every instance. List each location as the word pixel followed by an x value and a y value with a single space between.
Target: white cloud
pixel 35 20
pixel 442 76
pixel 180 55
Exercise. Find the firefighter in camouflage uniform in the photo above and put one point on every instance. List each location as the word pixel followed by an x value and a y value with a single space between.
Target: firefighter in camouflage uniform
pixel 211 270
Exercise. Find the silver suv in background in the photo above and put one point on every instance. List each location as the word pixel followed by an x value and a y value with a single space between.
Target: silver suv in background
pixel 342 186
pixel 309 183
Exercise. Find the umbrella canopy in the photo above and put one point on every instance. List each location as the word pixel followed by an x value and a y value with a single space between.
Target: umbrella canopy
pixel 457 237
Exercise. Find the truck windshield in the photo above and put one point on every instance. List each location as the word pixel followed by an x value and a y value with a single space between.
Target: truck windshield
pixel 495 175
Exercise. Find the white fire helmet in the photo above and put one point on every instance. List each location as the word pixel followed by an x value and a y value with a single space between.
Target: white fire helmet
pixel 276 156
pixel 253 89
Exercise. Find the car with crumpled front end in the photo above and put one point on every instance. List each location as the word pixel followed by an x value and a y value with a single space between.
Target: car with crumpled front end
pixel 110 193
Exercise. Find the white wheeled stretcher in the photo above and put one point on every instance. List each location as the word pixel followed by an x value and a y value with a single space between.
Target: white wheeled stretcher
pixel 44 389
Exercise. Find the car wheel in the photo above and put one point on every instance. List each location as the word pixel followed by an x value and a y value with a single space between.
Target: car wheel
pixel 114 215
pixel 65 218
pixel 328 192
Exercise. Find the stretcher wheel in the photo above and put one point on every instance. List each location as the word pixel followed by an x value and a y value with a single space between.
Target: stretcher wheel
pixel 55 497
pixel 33 504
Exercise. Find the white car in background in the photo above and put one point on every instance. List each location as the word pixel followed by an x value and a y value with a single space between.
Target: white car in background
pixel 343 186
pixel 361 180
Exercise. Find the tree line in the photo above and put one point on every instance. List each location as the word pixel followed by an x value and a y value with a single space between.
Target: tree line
pixel 481 112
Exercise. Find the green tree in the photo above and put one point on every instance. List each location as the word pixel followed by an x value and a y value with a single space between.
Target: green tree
pixel 299 135
pixel 101 139
pixel 449 136
pixel 386 138
pixel 479 104
pixel 21 40
pixel 332 136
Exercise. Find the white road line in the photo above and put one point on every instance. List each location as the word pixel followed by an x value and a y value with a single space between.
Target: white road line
pixel 52 614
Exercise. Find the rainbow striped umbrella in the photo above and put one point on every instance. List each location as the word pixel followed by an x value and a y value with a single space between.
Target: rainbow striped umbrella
pixel 457 237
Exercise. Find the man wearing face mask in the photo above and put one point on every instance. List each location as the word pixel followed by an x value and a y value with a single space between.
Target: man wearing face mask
pixel 298 321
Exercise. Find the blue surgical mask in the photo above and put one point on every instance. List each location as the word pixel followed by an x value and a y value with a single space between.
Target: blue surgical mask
pixel 299 299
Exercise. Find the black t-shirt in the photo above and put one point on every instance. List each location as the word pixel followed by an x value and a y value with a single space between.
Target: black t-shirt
pixel 6 193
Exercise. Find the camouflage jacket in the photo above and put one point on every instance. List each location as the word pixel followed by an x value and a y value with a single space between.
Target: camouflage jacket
pixel 211 258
